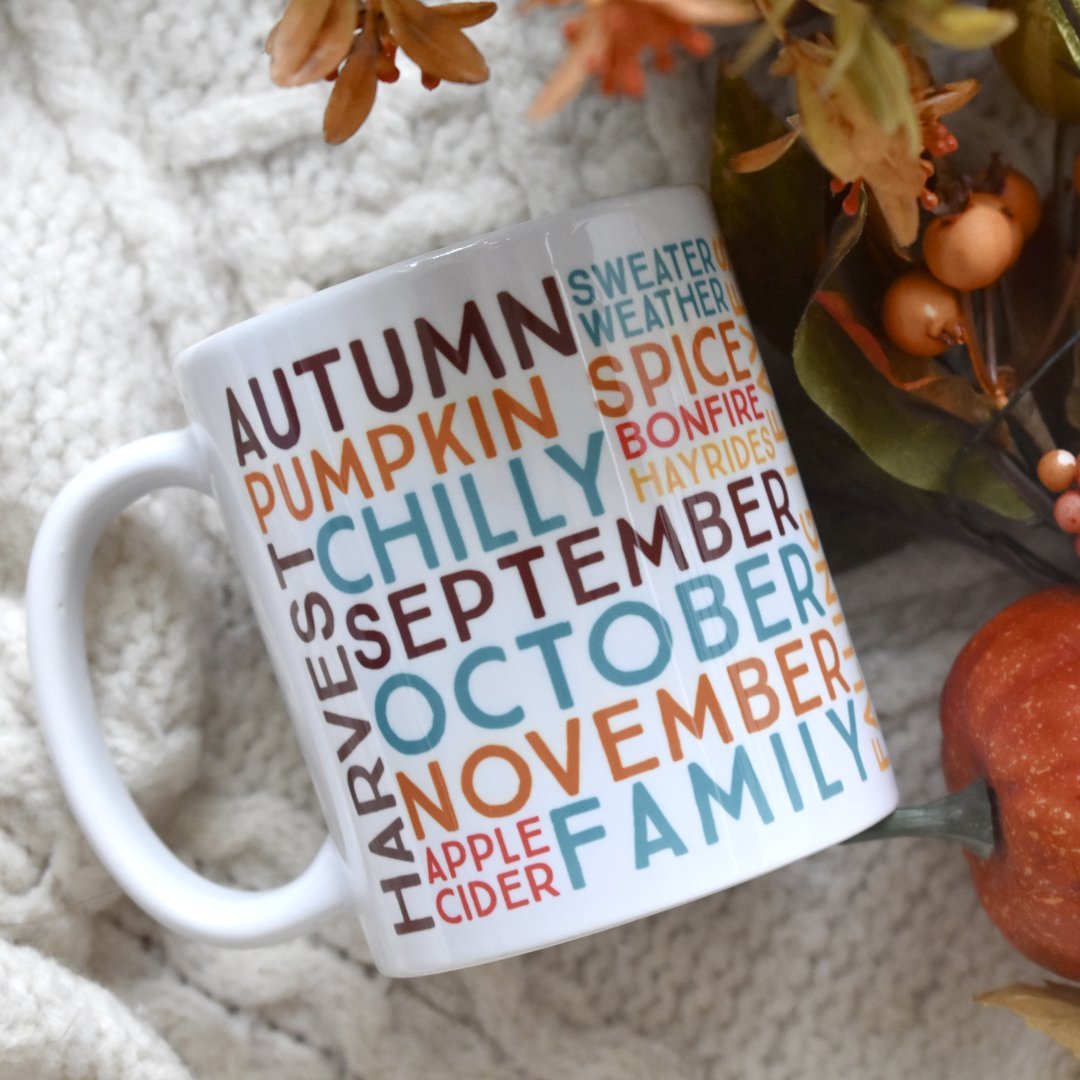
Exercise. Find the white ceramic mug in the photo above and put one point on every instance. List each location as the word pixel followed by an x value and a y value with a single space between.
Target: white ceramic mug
pixel 524 536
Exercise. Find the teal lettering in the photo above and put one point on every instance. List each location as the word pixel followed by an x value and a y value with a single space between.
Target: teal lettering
pixel 544 639
pixel 449 520
pixel 436 725
pixel 569 841
pixel 802 592
pixel 598 637
pixel 538 525
pixel 849 733
pixel 489 541
pixel 612 277
pixel 463 691
pixel 712 609
pixel 647 813
pixel 755 593
pixel 581 292
pixel 322 549
pixel 826 789
pixel 707 791
pixel 599 325
pixel 785 771
pixel 413 525
pixel 585 475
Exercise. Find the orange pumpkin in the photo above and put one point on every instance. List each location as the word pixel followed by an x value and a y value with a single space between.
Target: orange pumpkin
pixel 1010 713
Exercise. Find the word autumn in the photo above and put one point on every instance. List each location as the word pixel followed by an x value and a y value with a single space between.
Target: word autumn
pixel 324 371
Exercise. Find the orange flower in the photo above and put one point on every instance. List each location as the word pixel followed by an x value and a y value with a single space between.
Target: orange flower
pixel 933 102
pixel 852 140
pixel 611 37
pixel 355 44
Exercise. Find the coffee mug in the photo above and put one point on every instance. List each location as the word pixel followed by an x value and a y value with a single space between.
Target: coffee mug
pixel 523 533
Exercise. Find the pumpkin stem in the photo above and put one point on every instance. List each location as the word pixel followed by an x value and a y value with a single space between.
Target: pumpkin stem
pixel 966 817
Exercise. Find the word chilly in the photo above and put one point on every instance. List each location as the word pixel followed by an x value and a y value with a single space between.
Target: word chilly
pixel 314 377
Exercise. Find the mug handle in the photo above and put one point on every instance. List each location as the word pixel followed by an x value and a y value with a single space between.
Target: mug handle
pixel 142 865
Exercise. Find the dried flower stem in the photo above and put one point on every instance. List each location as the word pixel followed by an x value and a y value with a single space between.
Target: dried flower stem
pixel 1028 416
pixel 987 383
pixel 990 336
pixel 985 366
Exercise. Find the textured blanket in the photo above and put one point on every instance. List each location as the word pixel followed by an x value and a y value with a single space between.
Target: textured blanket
pixel 156 188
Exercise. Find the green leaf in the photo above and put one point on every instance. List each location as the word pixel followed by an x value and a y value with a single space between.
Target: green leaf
pixel 845 233
pixel 1037 58
pixel 962 26
pixel 913 445
pixel 772 221
pixel 881 78
pixel 1066 16
pixel 762 38
pixel 860 512
pixel 849 26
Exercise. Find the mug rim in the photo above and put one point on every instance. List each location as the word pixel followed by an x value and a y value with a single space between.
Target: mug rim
pixel 194 353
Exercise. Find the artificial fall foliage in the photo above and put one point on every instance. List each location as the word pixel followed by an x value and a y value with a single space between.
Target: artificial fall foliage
pixel 892 156
pixel 936 326
pixel 924 295
pixel 1053 1009
pixel 867 106
pixel 916 301
pixel 611 39
pixel 857 76
pixel 354 45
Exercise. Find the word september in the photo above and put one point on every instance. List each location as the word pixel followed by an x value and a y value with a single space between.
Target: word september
pixel 712 621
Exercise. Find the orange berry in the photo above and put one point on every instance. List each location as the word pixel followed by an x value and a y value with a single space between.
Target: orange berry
pixel 998 203
pixel 920 315
pixel 1021 199
pixel 972 249
pixel 1067 511
pixel 1057 470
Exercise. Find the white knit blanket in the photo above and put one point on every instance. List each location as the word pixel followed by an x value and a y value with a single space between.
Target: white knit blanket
pixel 156 188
